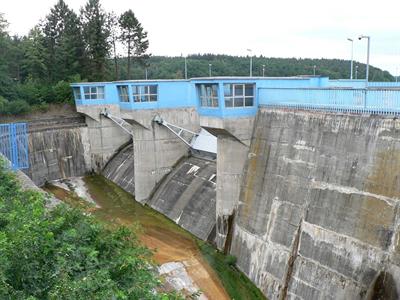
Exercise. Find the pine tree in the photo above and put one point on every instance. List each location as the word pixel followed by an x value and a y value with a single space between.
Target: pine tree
pixel 63 41
pixel 5 80
pixel 112 24
pixel 96 36
pixel 34 63
pixel 134 38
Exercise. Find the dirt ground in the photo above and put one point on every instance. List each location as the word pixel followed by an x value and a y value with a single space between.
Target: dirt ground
pixel 174 248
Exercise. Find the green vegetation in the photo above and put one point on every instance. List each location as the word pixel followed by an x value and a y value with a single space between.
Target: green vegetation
pixel 65 254
pixel 67 46
pixel 235 282
pixel 117 204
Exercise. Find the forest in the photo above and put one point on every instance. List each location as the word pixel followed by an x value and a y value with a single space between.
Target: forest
pixel 96 45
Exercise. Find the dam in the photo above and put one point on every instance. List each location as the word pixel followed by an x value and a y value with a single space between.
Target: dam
pixel 297 177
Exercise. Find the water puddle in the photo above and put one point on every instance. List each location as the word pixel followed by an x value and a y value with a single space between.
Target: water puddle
pixel 174 248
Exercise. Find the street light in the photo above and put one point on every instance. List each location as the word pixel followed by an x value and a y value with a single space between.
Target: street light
pixel 263 71
pixel 351 64
pixel 185 67
pixel 209 69
pixel 251 62
pixel 314 67
pixel 368 47
pixel 356 71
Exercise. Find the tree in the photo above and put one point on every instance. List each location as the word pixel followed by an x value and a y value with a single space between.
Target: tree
pixel 6 83
pixel 34 62
pixel 134 38
pixel 96 37
pixel 112 24
pixel 63 41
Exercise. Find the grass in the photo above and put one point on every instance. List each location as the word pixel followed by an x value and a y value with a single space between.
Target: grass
pixel 237 285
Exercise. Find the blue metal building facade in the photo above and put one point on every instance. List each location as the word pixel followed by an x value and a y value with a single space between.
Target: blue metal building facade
pixel 305 92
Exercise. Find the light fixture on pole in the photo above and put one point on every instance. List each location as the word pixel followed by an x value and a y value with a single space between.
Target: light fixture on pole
pixel 145 73
pixel 251 62
pixel 351 63
pixel 368 47
pixel 314 67
pixel 356 71
pixel 209 69
pixel 263 70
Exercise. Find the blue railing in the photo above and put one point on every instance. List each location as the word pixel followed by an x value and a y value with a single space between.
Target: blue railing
pixel 378 100
pixel 14 144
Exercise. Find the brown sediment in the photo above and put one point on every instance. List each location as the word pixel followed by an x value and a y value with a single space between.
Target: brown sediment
pixel 169 242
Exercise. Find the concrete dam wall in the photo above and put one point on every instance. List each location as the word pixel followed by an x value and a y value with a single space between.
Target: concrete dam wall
pixel 58 148
pixel 186 195
pixel 308 202
pixel 318 213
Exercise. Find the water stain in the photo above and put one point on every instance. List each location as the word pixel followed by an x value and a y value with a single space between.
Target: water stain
pixel 376 216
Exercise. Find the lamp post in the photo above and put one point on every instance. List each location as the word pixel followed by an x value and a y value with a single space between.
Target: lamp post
pixel 185 67
pixel 251 62
pixel 209 69
pixel 356 72
pixel 368 47
pixel 263 71
pixel 314 67
pixel 351 63
pixel 145 73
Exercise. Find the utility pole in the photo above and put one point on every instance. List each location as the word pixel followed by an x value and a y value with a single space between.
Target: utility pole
pixel 351 64
pixel 251 62
pixel 263 70
pixel 368 48
pixel 314 67
pixel 185 67
pixel 209 69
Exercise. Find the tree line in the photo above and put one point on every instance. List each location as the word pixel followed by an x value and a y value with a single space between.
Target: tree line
pixel 66 46
pixel 96 45
pixel 198 65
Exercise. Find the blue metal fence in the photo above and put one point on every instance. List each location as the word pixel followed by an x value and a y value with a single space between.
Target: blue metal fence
pixel 14 144
pixel 378 100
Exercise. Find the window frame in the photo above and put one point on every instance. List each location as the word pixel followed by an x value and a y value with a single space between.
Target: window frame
pixel 140 92
pixel 94 95
pixel 124 98
pixel 240 97
pixel 77 90
pixel 208 98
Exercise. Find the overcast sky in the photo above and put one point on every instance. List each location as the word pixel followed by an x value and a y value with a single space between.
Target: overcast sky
pixel 282 28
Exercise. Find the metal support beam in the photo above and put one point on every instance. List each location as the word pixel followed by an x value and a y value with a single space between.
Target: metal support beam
pixel 125 126
pixel 202 141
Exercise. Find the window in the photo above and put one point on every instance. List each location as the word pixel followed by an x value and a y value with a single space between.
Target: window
pixel 208 94
pixel 239 95
pixel 93 92
pixel 123 93
pixel 77 93
pixel 144 93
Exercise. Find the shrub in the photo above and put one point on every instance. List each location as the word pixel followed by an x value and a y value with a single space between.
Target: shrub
pixel 62 92
pixel 17 107
pixel 64 254
pixel 230 260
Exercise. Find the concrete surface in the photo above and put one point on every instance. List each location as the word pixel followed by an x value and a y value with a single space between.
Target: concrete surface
pixel 319 205
pixel 58 148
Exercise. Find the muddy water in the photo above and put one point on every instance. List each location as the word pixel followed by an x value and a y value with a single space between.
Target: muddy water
pixel 168 240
